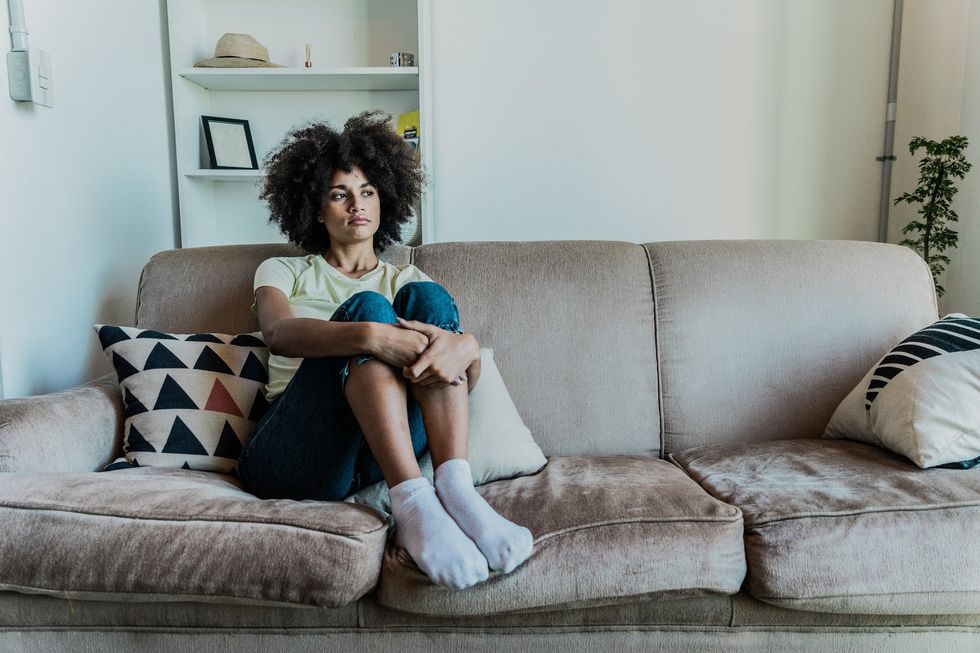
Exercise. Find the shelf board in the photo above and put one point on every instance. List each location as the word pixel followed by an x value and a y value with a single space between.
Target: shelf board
pixel 225 175
pixel 303 79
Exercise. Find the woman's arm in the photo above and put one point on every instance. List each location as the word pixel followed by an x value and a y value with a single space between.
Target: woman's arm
pixel 301 337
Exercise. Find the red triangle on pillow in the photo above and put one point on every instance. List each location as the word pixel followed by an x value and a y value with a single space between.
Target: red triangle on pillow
pixel 220 400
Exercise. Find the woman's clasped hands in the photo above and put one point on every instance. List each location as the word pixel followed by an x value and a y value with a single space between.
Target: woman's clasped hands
pixel 426 354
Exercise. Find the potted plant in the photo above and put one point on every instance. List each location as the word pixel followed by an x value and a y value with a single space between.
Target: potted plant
pixel 943 163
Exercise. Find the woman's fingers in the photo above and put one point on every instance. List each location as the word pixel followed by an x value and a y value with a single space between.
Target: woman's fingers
pixel 421 327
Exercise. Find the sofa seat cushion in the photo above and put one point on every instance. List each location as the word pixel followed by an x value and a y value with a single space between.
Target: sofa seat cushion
pixel 605 528
pixel 162 534
pixel 838 526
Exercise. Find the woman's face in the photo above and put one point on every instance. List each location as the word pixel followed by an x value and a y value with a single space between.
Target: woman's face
pixel 351 209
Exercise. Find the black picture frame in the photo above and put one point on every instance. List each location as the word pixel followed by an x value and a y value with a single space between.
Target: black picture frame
pixel 227 145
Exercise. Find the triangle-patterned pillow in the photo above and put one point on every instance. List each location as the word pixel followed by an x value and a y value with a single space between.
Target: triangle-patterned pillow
pixel 191 400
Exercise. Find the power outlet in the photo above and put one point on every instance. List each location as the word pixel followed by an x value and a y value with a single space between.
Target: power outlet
pixel 19 76
pixel 30 77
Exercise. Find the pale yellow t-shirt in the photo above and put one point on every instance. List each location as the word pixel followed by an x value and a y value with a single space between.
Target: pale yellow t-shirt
pixel 316 289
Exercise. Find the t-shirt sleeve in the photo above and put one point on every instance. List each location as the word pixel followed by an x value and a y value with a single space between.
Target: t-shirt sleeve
pixel 407 274
pixel 275 273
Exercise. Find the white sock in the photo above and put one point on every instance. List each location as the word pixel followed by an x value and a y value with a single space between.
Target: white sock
pixel 432 538
pixel 504 544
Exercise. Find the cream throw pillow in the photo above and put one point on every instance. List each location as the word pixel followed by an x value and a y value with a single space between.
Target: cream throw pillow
pixel 501 445
pixel 922 399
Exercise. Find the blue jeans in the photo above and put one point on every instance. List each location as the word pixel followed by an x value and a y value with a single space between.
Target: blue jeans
pixel 308 445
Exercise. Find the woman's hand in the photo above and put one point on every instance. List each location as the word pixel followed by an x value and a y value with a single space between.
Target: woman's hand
pixel 395 345
pixel 446 358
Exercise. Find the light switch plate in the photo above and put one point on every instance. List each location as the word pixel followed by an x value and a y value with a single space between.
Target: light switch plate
pixel 42 78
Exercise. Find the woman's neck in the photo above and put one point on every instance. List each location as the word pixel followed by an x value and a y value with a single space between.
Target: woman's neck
pixel 352 260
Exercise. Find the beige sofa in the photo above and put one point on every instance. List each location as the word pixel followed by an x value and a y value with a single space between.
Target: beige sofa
pixel 680 390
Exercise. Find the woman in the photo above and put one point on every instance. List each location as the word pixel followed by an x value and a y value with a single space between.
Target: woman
pixel 368 365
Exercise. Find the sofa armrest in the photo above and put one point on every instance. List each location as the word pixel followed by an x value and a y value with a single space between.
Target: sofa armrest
pixel 76 430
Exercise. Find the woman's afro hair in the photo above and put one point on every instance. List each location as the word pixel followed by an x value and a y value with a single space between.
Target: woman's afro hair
pixel 298 171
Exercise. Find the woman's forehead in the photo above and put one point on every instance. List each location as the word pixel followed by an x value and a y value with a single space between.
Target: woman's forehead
pixel 355 177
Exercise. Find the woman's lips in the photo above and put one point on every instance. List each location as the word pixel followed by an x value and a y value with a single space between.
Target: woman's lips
pixel 357 221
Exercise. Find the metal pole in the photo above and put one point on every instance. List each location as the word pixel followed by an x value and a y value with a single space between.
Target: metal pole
pixel 890 114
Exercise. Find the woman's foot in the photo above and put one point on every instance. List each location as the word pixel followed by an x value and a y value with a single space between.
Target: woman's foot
pixel 436 544
pixel 504 544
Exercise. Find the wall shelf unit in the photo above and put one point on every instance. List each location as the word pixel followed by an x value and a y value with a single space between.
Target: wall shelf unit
pixel 351 41
pixel 304 79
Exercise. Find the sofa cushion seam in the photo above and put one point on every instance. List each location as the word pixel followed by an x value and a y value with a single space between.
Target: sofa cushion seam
pixel 656 350
pixel 351 536
pixel 854 594
pixel 857 513
pixel 677 520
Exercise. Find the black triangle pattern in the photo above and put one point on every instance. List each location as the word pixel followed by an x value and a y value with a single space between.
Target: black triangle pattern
pixel 156 335
pixel 133 405
pixel 161 358
pixel 259 406
pixel 182 440
pixel 247 340
pixel 229 446
pixel 136 442
pixel 172 396
pixel 123 368
pixel 204 337
pixel 254 370
pixel 209 360
pixel 110 335
pixel 185 465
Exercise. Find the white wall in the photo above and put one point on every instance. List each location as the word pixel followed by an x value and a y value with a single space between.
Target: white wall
pixel 87 188
pixel 629 120
pixel 643 121
pixel 962 277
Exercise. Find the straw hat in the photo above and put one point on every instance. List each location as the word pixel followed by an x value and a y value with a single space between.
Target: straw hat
pixel 238 51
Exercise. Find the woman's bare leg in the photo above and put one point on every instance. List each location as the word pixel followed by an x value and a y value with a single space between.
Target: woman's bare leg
pixel 446 414
pixel 445 411
pixel 377 397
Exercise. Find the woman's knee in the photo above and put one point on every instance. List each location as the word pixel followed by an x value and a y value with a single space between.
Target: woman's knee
pixel 429 302
pixel 366 306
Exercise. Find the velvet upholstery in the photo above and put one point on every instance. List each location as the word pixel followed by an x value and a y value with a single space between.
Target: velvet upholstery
pixel 209 289
pixel 605 527
pixel 839 526
pixel 569 323
pixel 761 339
pixel 154 533
pixel 76 430
pixel 610 344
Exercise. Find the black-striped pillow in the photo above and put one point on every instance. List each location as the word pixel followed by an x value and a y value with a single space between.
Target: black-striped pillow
pixel 191 400
pixel 922 399
pixel 950 334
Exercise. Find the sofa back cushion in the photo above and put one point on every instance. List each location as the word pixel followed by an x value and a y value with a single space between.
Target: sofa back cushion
pixel 760 340
pixel 209 289
pixel 570 323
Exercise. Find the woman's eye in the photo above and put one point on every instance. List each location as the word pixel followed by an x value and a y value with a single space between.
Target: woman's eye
pixel 338 196
pixel 368 193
